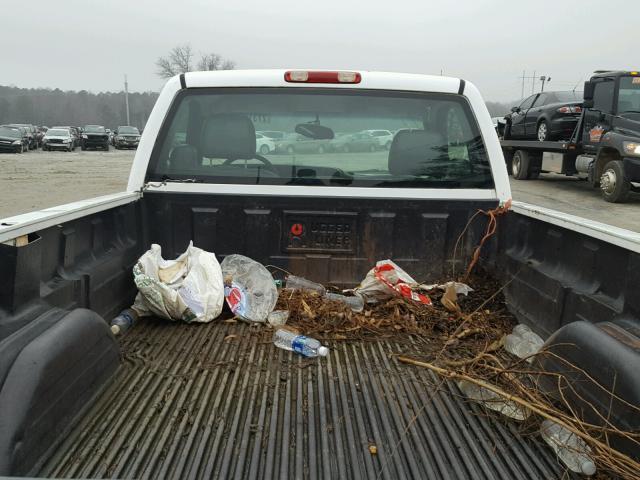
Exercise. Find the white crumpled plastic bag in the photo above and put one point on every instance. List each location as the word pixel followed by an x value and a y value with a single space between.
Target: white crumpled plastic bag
pixel 189 288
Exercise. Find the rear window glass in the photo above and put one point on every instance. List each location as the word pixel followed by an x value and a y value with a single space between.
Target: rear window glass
pixel 564 97
pixel 210 136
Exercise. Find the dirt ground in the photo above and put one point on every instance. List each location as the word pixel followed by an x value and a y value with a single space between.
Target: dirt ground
pixel 38 180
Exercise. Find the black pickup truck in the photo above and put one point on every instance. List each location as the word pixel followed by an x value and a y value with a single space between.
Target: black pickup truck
pixel 94 136
pixel 171 400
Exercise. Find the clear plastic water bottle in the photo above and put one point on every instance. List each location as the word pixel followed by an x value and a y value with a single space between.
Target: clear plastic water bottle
pixel 570 448
pixel 521 329
pixel 123 321
pixel 356 303
pixel 300 283
pixel 306 346
pixel 523 343
pixel 493 401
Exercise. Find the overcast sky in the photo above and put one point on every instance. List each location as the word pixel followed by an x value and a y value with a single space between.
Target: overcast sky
pixel 86 44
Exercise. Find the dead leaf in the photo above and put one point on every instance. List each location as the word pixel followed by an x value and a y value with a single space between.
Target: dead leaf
pixel 230 337
pixel 373 450
pixel 308 310
pixel 450 298
pixel 230 320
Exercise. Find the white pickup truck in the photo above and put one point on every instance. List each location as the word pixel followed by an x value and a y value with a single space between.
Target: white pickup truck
pixel 179 402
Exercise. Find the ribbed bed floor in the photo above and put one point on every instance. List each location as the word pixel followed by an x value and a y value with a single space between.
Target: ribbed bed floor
pixel 220 401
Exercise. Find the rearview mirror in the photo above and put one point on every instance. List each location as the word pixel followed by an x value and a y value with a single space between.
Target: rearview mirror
pixel 314 131
pixel 515 109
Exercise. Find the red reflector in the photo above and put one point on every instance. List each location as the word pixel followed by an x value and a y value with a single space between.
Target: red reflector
pixel 296 229
pixel 303 76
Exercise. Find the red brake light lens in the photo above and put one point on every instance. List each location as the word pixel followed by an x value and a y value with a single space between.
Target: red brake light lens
pixel 570 109
pixel 303 76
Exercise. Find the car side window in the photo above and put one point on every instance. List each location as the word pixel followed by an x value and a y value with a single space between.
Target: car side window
pixel 541 100
pixel 528 102
pixel 603 95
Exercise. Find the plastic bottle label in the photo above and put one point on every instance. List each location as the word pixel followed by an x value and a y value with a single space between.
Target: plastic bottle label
pixel 127 317
pixel 298 344
pixel 236 297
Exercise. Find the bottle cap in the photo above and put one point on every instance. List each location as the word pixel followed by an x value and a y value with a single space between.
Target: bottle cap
pixel 323 351
pixel 588 467
pixel 115 329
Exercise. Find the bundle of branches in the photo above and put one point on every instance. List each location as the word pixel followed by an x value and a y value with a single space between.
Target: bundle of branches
pixel 535 395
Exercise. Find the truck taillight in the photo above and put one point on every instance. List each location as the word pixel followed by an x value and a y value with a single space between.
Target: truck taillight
pixel 304 76
pixel 570 109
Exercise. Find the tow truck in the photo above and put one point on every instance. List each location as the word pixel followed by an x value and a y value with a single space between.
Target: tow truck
pixel 604 147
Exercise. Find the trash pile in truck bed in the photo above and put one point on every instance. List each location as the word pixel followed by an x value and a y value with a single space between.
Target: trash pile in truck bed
pixel 397 317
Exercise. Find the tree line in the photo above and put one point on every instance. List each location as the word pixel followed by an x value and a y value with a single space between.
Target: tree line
pixel 41 106
pixel 44 106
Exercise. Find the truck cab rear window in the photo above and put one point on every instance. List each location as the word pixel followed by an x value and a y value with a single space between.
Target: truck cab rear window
pixel 321 137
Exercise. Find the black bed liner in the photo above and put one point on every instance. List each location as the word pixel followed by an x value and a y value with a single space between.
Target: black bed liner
pixel 220 401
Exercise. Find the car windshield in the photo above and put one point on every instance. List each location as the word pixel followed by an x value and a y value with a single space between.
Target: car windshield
pixel 128 130
pixel 629 96
pixel 94 129
pixel 209 136
pixel 58 132
pixel 10 132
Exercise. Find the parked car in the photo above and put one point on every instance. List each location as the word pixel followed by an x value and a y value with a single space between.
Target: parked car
pixel 544 116
pixel 13 139
pixel 356 142
pixel 126 137
pixel 31 132
pixel 75 134
pixel 94 136
pixel 58 139
pixel 264 144
pixel 300 144
pixel 383 137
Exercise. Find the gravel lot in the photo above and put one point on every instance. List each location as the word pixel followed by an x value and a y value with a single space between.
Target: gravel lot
pixel 38 179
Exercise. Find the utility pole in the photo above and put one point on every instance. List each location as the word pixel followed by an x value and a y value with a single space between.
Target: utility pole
pixel 126 98
pixel 525 77
pixel 533 82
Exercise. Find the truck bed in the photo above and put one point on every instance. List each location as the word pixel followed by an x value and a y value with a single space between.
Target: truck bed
pixel 220 401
